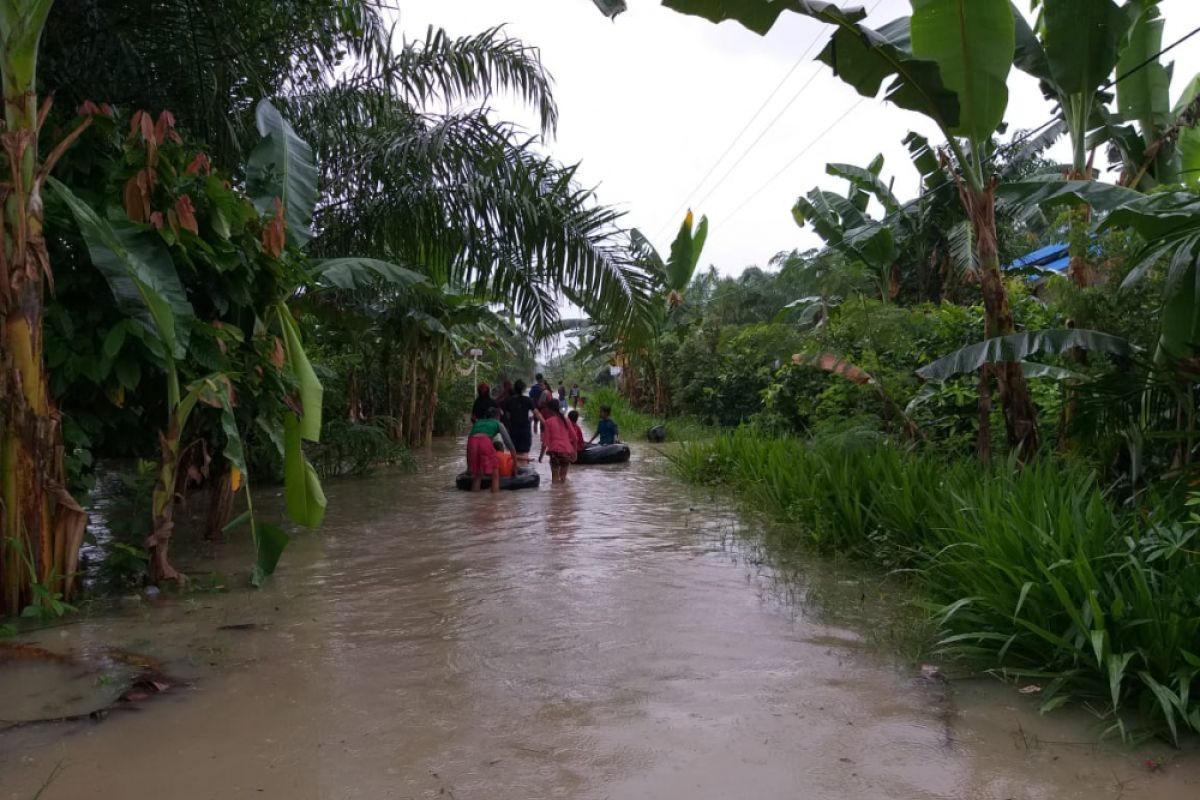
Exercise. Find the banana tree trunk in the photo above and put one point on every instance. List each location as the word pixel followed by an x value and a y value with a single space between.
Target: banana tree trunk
pixel 41 526
pixel 163 504
pixel 1020 416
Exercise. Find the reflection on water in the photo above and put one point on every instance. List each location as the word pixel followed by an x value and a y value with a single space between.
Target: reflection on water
pixel 603 639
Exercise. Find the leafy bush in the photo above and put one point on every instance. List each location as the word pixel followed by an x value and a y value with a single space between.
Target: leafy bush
pixel 1030 572
pixel 348 448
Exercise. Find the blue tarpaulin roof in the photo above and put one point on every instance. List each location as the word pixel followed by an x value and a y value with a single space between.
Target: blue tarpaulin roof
pixel 1054 258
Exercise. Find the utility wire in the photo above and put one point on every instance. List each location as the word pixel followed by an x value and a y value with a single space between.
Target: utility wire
pixel 820 35
pixel 804 150
pixel 1014 143
pixel 733 142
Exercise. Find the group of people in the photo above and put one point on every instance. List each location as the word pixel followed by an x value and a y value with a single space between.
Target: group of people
pixel 514 416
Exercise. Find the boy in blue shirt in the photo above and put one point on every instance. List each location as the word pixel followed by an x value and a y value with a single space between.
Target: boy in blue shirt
pixel 606 428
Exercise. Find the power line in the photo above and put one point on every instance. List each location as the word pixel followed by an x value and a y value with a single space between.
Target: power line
pixel 796 158
pixel 820 35
pixel 1015 143
pixel 733 142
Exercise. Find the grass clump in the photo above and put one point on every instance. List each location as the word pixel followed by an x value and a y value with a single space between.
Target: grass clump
pixel 1030 572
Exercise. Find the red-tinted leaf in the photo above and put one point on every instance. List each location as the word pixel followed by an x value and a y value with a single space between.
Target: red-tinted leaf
pixel 200 163
pixel 186 213
pixel 274 235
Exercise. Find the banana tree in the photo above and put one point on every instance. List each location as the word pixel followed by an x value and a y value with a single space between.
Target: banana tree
pixel 950 61
pixel 1078 48
pixel 41 525
pixel 1158 143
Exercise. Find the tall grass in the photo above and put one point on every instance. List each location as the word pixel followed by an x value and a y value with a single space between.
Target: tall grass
pixel 634 424
pixel 1029 572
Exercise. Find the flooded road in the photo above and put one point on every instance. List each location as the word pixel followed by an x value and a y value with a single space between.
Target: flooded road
pixel 604 639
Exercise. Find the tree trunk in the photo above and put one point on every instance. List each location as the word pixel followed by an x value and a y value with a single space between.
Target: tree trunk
pixel 162 519
pixel 41 525
pixel 983 445
pixel 220 504
pixel 1020 416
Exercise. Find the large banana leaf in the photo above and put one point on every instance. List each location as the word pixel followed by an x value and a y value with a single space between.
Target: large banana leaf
pixel 361 273
pixel 311 391
pixel 1017 347
pixel 867 181
pixel 1186 114
pixel 685 253
pixel 303 495
pixel 1144 94
pixel 282 167
pixel 1082 39
pixel 139 270
pixel 973 43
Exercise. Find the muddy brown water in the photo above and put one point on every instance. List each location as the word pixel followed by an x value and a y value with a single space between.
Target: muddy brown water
pixel 605 639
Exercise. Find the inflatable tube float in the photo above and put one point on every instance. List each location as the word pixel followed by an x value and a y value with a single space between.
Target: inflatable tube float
pixel 604 454
pixel 525 478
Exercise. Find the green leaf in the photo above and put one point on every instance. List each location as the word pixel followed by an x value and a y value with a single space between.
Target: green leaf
pixel 1189 136
pixel 311 391
pixel 685 253
pixel 114 340
pixel 1020 346
pixel 973 43
pixel 282 166
pixel 361 273
pixel 1082 38
pixel 129 373
pixel 139 270
pixel 271 542
pixel 303 496
pixel 1144 94
pixel 867 181
pixel 237 522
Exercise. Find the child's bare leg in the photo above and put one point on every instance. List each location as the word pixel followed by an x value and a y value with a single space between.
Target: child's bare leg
pixel 476 480
pixel 496 481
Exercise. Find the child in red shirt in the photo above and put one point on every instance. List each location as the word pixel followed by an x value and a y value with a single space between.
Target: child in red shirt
pixel 576 430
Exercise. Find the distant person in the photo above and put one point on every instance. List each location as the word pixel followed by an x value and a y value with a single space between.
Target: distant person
pixel 506 388
pixel 558 441
pixel 573 418
pixel 574 395
pixel 535 395
pixel 606 428
pixel 518 409
pixel 483 403
pixel 481 452
pixel 562 395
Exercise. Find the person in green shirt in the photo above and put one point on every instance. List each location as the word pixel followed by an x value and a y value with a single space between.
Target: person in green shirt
pixel 481 453
pixel 606 428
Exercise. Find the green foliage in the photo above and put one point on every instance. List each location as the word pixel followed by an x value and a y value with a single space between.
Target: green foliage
pixel 349 449
pixel 1030 572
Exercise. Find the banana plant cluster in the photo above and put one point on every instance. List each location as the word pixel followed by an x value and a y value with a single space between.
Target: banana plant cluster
pixel 207 277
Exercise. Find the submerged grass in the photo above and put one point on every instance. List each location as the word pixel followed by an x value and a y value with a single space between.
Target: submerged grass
pixel 634 424
pixel 1030 572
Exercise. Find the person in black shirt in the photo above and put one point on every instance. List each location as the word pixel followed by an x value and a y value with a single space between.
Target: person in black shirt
pixel 518 407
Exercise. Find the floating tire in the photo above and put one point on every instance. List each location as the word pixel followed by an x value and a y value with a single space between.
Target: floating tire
pixel 604 454
pixel 524 479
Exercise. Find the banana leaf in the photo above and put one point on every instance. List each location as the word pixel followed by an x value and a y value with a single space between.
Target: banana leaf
pixel 1018 347
pixel 139 270
pixel 282 166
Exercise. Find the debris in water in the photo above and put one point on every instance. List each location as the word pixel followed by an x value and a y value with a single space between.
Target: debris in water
pixel 1032 688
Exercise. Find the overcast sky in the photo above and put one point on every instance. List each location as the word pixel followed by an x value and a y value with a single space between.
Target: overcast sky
pixel 650 101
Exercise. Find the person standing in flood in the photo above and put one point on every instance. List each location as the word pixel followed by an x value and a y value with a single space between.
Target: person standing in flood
pixel 518 408
pixel 558 440
pixel 483 403
pixel 481 451
pixel 535 393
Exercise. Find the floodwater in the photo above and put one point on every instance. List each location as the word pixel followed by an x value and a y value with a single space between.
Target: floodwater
pixel 610 638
